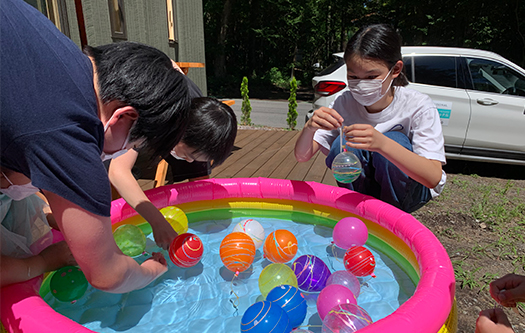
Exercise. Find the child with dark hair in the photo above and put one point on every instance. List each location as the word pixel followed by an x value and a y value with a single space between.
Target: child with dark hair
pixel 394 131
pixel 63 112
pixel 209 138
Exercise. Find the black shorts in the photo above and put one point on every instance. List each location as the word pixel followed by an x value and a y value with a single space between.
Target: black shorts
pixel 182 170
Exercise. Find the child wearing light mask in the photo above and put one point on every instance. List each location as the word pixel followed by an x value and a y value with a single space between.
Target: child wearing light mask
pixel 394 131
pixel 25 235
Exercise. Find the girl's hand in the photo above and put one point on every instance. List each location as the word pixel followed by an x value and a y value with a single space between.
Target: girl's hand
pixel 325 118
pixel 508 290
pixel 364 136
pixel 493 321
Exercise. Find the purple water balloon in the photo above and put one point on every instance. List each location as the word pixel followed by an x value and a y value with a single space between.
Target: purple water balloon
pixel 311 272
pixel 347 279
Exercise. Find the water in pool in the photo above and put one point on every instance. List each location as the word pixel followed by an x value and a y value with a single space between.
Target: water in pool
pixel 202 298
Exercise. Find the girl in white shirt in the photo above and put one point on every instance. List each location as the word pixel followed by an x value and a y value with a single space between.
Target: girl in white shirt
pixel 394 131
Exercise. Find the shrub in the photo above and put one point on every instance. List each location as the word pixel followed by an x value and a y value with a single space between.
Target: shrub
pixel 292 105
pixel 246 108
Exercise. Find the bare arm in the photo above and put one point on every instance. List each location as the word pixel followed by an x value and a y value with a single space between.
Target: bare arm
pixel 423 170
pixel 90 239
pixel 323 118
pixel 121 177
pixel 13 270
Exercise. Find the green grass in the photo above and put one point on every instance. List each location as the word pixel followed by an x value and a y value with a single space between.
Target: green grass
pixel 502 211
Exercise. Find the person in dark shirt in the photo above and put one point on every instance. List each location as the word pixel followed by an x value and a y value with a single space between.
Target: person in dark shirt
pixel 64 112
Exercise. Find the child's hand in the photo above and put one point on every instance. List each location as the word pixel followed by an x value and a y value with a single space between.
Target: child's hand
pixel 156 264
pixel 325 118
pixel 163 233
pixel 508 290
pixel 364 136
pixel 493 321
pixel 57 256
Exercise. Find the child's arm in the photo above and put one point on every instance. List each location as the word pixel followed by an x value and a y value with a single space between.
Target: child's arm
pixel 423 170
pixel 122 178
pixel 55 256
pixel 323 118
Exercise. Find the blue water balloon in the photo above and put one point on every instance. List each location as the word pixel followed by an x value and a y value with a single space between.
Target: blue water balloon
pixel 290 299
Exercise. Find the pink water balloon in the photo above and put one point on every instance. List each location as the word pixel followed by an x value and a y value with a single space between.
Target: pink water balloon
pixel 350 231
pixel 331 296
pixel 345 279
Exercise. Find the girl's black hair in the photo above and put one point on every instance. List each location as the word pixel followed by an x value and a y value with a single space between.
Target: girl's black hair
pixel 212 129
pixel 144 78
pixel 377 42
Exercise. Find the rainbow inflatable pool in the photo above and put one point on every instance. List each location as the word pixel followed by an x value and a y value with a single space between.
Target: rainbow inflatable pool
pixel 406 241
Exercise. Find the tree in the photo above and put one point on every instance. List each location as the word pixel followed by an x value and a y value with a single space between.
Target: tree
pixel 292 105
pixel 246 107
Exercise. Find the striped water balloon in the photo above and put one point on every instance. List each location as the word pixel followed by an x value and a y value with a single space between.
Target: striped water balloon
pixel 253 229
pixel 186 250
pixel 280 246
pixel 359 261
pixel 237 252
pixel 311 271
pixel 346 318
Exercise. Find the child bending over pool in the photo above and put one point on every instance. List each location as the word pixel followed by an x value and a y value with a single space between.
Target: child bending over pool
pixel 26 236
pixel 507 291
pixel 394 131
pixel 209 137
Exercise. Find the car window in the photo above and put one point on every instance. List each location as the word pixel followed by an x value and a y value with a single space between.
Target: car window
pixel 337 62
pixel 434 70
pixel 495 77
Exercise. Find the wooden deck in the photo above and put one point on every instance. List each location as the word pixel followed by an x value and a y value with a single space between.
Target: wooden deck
pixel 263 153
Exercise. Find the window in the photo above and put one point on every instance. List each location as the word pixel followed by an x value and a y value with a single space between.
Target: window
pixel 495 77
pixel 55 11
pixel 172 25
pixel 117 19
pixel 434 70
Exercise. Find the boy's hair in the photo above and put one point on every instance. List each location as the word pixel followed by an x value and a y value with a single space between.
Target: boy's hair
pixel 144 78
pixel 377 42
pixel 212 129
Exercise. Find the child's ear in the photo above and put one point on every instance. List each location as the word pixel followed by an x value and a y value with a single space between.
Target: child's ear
pixel 398 67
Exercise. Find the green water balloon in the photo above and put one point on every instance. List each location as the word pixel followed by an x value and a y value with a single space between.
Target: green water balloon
pixel 130 240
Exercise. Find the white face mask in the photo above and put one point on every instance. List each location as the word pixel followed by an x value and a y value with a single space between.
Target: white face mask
pixel 18 192
pixel 104 156
pixel 368 92
pixel 176 156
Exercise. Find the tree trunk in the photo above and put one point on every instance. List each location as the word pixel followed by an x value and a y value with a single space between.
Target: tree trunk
pixel 220 58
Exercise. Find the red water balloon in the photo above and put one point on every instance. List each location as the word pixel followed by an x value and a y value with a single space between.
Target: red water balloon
pixel 186 250
pixel 359 261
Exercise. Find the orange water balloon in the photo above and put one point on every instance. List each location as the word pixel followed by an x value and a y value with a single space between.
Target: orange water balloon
pixel 280 246
pixel 237 252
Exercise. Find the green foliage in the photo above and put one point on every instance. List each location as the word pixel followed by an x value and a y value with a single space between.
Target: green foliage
pixel 292 105
pixel 253 37
pixel 276 78
pixel 246 107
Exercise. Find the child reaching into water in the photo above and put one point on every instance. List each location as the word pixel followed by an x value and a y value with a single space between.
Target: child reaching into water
pixel 394 131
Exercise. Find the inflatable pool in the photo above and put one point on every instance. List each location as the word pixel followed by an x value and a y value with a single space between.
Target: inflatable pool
pixel 412 246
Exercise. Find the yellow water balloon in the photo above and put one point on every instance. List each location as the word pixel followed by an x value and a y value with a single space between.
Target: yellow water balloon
pixel 177 218
pixel 275 275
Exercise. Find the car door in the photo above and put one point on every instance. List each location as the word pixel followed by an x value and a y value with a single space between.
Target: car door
pixel 497 124
pixel 439 76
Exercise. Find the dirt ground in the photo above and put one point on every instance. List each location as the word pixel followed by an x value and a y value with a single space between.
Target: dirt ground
pixel 480 220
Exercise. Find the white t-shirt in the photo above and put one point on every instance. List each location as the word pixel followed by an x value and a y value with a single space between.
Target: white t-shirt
pixel 411 112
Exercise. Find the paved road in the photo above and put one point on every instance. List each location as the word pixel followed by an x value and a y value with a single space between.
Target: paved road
pixel 272 113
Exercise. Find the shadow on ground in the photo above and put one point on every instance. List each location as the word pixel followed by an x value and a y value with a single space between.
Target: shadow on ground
pixel 483 169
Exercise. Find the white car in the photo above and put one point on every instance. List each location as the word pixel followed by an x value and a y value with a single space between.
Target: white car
pixel 480 97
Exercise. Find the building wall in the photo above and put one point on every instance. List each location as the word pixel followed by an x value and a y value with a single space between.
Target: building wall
pixel 146 22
